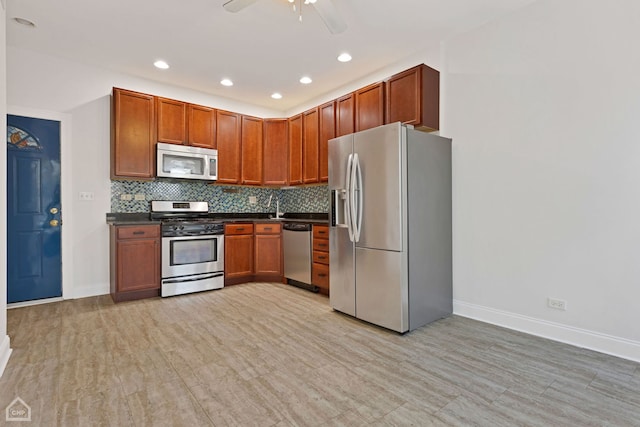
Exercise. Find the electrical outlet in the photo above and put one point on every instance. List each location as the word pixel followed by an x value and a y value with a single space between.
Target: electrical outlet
pixel 139 197
pixel 253 200
pixel 126 197
pixel 85 195
pixel 557 304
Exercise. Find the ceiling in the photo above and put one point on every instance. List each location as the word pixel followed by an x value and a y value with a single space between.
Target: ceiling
pixel 263 48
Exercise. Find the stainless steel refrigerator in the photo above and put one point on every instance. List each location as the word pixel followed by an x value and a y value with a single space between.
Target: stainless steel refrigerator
pixel 390 226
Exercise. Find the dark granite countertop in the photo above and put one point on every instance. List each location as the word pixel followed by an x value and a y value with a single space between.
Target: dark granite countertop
pixel 143 218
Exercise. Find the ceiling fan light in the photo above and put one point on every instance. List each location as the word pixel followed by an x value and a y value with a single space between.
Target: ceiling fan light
pixel 344 57
pixel 226 82
pixel 305 80
pixel 25 22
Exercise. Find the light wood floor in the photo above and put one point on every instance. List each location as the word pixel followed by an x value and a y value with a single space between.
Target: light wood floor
pixel 272 355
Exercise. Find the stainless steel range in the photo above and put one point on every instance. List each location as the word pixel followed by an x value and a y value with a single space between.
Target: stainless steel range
pixel 192 247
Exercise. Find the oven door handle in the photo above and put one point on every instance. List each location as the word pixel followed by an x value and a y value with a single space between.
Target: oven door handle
pixel 195 279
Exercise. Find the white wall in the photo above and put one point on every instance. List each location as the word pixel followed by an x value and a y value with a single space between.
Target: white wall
pixel 5 349
pixel 543 107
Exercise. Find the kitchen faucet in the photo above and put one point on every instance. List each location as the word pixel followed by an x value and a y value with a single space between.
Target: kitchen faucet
pixel 278 213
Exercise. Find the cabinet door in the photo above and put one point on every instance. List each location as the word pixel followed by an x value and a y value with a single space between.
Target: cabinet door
pixel 268 254
pixel 238 256
pixel 201 129
pixel 172 121
pixel 310 142
pixel 413 97
pixel 327 132
pixel 133 139
pixel 251 150
pixel 228 130
pixel 274 152
pixel 345 115
pixel 138 264
pixel 295 150
pixel 370 106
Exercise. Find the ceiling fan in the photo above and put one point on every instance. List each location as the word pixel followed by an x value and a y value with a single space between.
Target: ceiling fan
pixel 325 9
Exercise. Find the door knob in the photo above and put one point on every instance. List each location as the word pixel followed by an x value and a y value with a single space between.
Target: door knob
pixel 53 210
pixel 54 223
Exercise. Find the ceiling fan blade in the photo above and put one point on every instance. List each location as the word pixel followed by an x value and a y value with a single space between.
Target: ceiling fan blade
pixel 237 5
pixel 330 16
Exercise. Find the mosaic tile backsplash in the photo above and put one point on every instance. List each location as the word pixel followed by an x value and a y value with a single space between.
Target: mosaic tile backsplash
pixel 222 199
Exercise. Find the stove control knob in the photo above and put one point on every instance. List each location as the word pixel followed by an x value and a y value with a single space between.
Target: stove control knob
pixel 174 227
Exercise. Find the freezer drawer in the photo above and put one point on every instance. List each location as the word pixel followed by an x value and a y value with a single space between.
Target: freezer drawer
pixel 382 296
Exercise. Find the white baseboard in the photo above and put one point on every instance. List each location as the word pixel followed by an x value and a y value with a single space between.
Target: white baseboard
pixel 89 291
pixel 615 346
pixel 5 352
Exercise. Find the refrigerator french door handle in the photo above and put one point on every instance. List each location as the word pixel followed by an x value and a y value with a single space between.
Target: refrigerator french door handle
pixel 347 204
pixel 353 205
pixel 359 207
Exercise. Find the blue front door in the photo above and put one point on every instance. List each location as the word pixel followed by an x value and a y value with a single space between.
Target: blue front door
pixel 34 264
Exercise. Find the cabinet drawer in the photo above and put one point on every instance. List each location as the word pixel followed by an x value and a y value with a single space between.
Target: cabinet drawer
pixel 320 275
pixel 138 231
pixel 321 245
pixel 268 228
pixel 321 257
pixel 320 232
pixel 231 229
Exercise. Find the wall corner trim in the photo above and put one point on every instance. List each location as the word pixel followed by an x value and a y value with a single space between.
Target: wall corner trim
pixel 5 352
pixel 603 343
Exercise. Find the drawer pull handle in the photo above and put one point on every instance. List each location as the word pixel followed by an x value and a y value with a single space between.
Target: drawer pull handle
pixel 138 232
pixel 240 229
pixel 322 275
pixel 268 228
pixel 321 232
pixel 322 245
pixel 322 257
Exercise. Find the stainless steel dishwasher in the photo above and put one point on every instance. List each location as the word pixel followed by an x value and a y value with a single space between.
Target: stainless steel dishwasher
pixel 297 254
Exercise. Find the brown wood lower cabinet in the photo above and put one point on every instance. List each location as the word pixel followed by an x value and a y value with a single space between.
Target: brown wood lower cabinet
pixel 134 261
pixel 320 266
pixel 268 252
pixel 252 252
pixel 238 253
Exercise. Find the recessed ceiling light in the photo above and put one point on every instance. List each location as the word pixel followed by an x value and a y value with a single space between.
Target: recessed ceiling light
pixel 344 57
pixel 305 80
pixel 276 95
pixel 24 22
pixel 161 64
pixel 226 82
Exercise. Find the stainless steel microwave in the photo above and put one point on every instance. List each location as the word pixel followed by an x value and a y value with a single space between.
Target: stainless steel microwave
pixel 181 161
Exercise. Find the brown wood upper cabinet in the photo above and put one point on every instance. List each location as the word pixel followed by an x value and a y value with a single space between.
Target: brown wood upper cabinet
pixel 345 115
pixel 370 106
pixel 187 124
pixel 310 142
pixel 228 138
pixel 295 150
pixel 251 150
pixel 327 132
pixel 413 97
pixel 274 152
pixel 201 126
pixel 133 135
